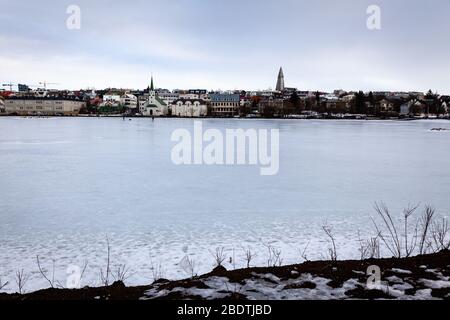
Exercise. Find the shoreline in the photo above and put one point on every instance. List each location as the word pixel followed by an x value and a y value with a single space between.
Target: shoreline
pixel 421 277
pixel 220 118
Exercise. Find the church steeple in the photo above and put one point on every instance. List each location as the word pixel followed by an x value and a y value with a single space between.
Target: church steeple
pixel 280 80
pixel 151 85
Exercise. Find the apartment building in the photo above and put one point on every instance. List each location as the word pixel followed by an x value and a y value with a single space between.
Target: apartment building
pixel 43 106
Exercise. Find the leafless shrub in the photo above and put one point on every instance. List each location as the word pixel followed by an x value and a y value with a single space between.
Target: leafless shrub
pixel 122 273
pixel 362 247
pixel 44 274
pixel 425 225
pixel 189 266
pixel 373 246
pixel 369 249
pixel 3 284
pixel 21 280
pixel 439 233
pixel 274 259
pixel 332 251
pixel 249 255
pixel 83 270
pixel 303 252
pixel 157 270
pixel 392 240
pixel 219 256
pixel 409 247
pixel 104 275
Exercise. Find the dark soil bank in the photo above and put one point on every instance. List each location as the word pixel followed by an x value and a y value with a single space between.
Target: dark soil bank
pixel 416 278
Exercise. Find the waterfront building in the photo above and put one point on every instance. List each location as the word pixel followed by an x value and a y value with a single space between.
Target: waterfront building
pixel 152 105
pixel 194 94
pixel 224 105
pixel 288 92
pixel 270 106
pixel 112 97
pixel 43 106
pixel 189 108
pixel 168 97
pixel 129 101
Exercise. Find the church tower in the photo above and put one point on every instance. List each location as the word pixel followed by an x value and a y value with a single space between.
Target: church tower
pixel 280 81
pixel 151 91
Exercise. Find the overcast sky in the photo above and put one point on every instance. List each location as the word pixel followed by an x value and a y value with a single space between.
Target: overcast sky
pixel 215 44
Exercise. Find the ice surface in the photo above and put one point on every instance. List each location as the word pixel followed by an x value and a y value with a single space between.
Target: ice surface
pixel 66 183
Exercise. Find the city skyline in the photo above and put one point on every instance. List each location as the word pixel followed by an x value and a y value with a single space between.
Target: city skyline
pixel 321 46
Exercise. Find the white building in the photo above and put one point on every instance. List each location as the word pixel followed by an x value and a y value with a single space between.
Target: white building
pixel 168 97
pixel 189 108
pixel 153 105
pixel 129 101
pixel 43 106
pixel 112 97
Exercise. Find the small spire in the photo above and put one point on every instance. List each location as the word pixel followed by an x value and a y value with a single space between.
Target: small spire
pixel 151 85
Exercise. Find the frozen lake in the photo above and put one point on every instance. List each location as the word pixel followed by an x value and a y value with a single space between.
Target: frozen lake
pixel 66 183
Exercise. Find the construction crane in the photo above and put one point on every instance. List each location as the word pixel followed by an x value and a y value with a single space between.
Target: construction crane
pixel 45 83
pixel 10 85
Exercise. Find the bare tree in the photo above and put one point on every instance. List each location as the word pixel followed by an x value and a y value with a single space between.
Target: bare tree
pixel 274 259
pixel 392 242
pixel 21 280
pixel 219 256
pixel 249 255
pixel 425 225
pixel 409 247
pixel 44 274
pixel 332 251
pixel 104 276
pixel 439 235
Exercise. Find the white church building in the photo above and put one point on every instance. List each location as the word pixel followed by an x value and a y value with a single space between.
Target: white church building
pixel 153 106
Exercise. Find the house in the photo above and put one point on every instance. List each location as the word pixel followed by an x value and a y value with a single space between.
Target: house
pixel 2 106
pixel 405 108
pixel 129 101
pixel 194 94
pixel 189 108
pixel 168 97
pixel 112 97
pixel 225 105
pixel 271 106
pixel 386 105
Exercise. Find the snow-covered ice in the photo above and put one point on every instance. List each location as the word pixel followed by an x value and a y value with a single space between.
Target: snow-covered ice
pixel 66 184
